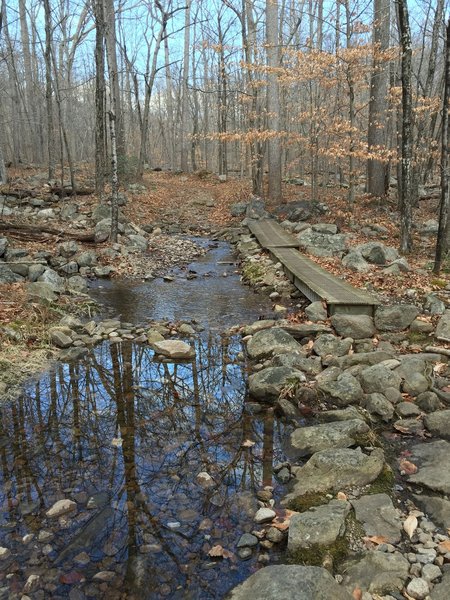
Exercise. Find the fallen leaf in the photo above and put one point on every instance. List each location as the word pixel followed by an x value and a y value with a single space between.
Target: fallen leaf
pixel 341 496
pixel 410 525
pixel 116 442
pixel 376 539
pixel 357 593
pixel 71 578
pixel 401 429
pixel 444 546
pixel 248 444
pixel 408 467
pixel 219 552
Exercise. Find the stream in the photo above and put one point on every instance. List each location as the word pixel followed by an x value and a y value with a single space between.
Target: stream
pixel 125 436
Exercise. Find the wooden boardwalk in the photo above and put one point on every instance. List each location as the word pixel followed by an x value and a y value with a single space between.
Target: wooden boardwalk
pixel 313 281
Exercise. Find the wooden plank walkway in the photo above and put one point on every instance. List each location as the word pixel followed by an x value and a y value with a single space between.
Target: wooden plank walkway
pixel 270 234
pixel 310 278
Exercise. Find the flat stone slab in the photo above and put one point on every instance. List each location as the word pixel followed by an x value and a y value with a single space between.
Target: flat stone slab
pixel 438 423
pixel 341 414
pixel 268 341
pixel 340 434
pixel 289 582
pixel 442 590
pixel 433 460
pixel 378 516
pixel 174 349
pixel 334 470
pixel 266 385
pixel 321 525
pixel 438 509
pixel 377 573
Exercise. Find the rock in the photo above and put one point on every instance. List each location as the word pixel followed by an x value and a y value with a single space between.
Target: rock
pixel 268 383
pixel 344 389
pixel 265 515
pixel 61 507
pixel 378 573
pixel 247 540
pixel 434 305
pixel 428 402
pixel 321 525
pixel 31 584
pixel 100 212
pixel 420 326
pixel 274 535
pixel 3 245
pixel 430 227
pixel 433 460
pixel 69 268
pixel 377 253
pixel 438 423
pixel 316 311
pixel 407 410
pixel 443 327
pixel 35 271
pixel 46 213
pixel 335 469
pixel 256 209
pixel 353 326
pixel 4 553
pixel 8 276
pixel 73 354
pixel 340 434
pixel 59 338
pixel 363 358
pixel 396 317
pixel 323 244
pixel 378 516
pixel 41 292
pixel 138 241
pixel 378 377
pixel 104 576
pixel 87 258
pixel 330 345
pixel 431 572
pixel 205 480
pixel 442 590
pixel 378 406
pixel 77 284
pixel 68 249
pixel 68 211
pixel 356 262
pixel 309 365
pixel 258 326
pixel 418 588
pixel 344 414
pixel 186 329
pixel 19 269
pixel 103 271
pixel 174 349
pixel 270 341
pixel 416 384
pixel 52 277
pixel 238 209
pixel 286 582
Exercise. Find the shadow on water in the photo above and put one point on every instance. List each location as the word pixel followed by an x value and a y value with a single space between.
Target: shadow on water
pixel 208 291
pixel 125 436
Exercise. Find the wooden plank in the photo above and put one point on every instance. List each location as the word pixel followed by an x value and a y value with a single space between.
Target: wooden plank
pixel 317 284
pixel 270 234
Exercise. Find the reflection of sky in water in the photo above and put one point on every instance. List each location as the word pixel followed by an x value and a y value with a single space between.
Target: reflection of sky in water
pixel 211 299
pixel 136 433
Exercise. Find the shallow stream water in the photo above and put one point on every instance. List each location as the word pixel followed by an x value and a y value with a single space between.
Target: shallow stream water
pixel 125 436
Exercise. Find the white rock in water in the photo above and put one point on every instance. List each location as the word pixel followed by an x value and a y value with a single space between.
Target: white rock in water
pixel 205 480
pixel 265 515
pixel 4 553
pixel 174 349
pixel 104 576
pixel 61 508
pixel 31 584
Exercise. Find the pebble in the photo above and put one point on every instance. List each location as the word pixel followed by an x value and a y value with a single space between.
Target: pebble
pixel 104 576
pixel 45 536
pixel 4 553
pixel 418 588
pixel 247 540
pixel 274 535
pixel 61 507
pixel 431 572
pixel 244 553
pixel 32 583
pixel 265 515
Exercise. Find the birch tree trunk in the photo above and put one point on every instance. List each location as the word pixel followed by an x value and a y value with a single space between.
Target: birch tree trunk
pixel 442 237
pixel 49 90
pixel 377 171
pixel 184 146
pixel 273 102
pixel 407 142
pixel 100 90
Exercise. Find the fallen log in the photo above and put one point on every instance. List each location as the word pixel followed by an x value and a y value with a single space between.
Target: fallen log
pixel 41 193
pixel 39 231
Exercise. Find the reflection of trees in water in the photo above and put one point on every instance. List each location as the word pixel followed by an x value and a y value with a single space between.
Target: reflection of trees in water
pixel 169 421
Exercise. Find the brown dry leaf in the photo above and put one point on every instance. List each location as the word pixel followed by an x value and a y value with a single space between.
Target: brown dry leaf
pixel 357 593
pixel 376 539
pixel 219 552
pixel 401 429
pixel 444 546
pixel 282 523
pixel 341 496
pixel 408 467
pixel 248 444
pixel 410 525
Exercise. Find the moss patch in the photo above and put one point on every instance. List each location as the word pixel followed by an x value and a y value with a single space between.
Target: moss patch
pixel 302 503
pixel 417 337
pixel 383 484
pixel 252 272
pixel 317 555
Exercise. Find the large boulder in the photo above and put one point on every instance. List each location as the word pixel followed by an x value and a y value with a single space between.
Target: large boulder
pixel 321 525
pixel 52 277
pixel 8 276
pixel 330 345
pixel 340 434
pixel 396 317
pixel 443 327
pixel 286 582
pixel 378 516
pixel 268 384
pixel 377 378
pixel 343 389
pixel 271 341
pixel 377 253
pixel 311 365
pixel 356 262
pixel 42 292
pixel 323 244
pixel 353 326
pixel 433 460
pixel 175 349
pixel 438 423
pixel 378 573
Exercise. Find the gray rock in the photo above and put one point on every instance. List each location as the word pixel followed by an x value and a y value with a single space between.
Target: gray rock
pixel 438 423
pixel 316 312
pixel 323 244
pixel 363 358
pixel 73 354
pixel 420 326
pixel 46 213
pixel 100 212
pixel 345 389
pixel 407 410
pixel 430 227
pixel 340 434
pixel 266 385
pixel 59 338
pixel 103 271
pixel 353 326
pixel 356 262
pixel 438 509
pixel 68 211
pixel 330 228
pixel 238 209
pixel 310 365
pixel 321 525
pixel 69 268
pixel 8 276
pixel 378 516
pixel 377 378
pixel 428 402
pixel 415 373
pixel 15 254
pixel 52 277
pixel 265 515
pixel 334 470
pixel 176 349
pixel 256 209
pixel 42 292
pixel 330 345
pixel 378 573
pixel 68 249
pixel 434 305
pixel 343 414
pixel 289 582
pixel 139 242
pixel 35 271
pixel 418 588
pixel 416 384
pixel 3 245
pixel 77 284
pixel 443 327
pixel 433 460
pixel 377 405
pixel 377 253
pixel 441 591
pixel 395 318
pixel 247 540
pixel 271 341
pixel 87 258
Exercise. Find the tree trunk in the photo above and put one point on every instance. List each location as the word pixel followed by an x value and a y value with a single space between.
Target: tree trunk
pixel 100 89
pixel 407 133
pixel 377 179
pixel 49 90
pixel 442 238
pixel 273 102
pixel 184 163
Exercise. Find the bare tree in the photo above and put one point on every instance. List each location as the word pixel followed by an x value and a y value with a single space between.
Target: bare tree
pixel 273 102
